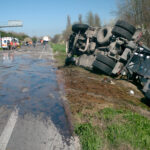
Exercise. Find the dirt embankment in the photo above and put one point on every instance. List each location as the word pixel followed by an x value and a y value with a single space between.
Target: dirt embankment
pixel 105 112
pixel 88 92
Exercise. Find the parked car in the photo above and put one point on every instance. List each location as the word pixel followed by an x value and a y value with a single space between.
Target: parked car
pixel 111 50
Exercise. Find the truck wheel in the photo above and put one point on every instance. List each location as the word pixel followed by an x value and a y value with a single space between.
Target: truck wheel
pixel 102 67
pixel 120 32
pixel 79 27
pixel 106 60
pixel 123 24
pixel 104 35
pixel 69 61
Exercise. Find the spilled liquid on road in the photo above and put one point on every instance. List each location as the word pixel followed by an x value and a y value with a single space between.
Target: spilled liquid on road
pixel 29 82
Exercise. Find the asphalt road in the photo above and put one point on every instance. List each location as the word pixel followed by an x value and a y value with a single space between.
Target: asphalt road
pixel 32 115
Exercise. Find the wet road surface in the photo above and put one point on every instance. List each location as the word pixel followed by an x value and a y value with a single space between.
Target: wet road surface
pixel 32 116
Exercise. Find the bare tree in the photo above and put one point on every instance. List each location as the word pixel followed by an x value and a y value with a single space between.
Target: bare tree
pixel 67 32
pixel 80 19
pixel 137 13
pixel 90 19
pixel 68 21
pixel 97 20
pixel 56 38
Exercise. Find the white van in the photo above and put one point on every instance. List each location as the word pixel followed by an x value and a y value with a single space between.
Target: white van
pixel 46 38
pixel 8 43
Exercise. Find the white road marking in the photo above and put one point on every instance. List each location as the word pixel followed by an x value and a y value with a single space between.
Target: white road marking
pixel 51 53
pixel 42 53
pixel 7 132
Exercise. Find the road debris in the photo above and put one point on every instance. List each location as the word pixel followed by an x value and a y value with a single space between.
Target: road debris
pixel 131 92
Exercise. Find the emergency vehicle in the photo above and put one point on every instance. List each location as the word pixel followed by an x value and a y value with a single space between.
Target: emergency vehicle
pixel 9 43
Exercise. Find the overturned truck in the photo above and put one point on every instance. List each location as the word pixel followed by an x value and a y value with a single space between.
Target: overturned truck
pixel 114 51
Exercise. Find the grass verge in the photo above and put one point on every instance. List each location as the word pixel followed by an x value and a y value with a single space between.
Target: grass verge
pixel 58 47
pixel 118 129
pixel 59 53
pixel 89 137
pixel 107 128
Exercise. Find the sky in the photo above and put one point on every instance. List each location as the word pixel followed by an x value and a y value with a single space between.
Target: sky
pixel 49 17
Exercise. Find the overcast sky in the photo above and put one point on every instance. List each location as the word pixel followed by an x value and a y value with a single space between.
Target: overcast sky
pixel 48 17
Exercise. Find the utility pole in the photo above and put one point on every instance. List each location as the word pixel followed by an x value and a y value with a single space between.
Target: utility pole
pixel 11 23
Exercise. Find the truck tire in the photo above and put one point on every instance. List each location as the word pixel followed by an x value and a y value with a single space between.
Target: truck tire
pixel 106 60
pixel 120 32
pixel 79 27
pixel 104 35
pixel 123 24
pixel 69 61
pixel 102 67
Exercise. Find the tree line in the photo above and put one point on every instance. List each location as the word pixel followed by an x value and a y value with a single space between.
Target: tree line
pixel 20 36
pixel 136 12
pixel 91 19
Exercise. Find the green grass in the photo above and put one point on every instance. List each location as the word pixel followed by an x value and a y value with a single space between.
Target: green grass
pixel 109 113
pixel 89 138
pixel 110 128
pixel 58 47
pixel 123 126
pixel 118 128
pixel 60 53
